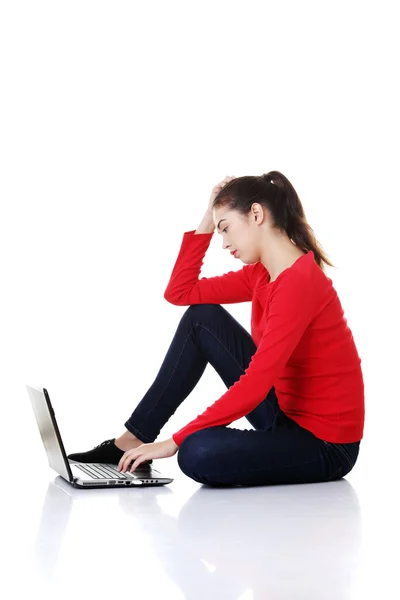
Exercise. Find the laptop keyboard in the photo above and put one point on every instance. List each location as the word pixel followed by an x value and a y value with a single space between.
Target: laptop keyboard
pixel 101 471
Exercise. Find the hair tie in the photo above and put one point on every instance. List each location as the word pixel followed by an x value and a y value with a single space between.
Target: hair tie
pixel 267 178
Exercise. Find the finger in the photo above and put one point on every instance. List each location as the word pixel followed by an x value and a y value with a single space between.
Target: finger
pixel 137 462
pixel 127 459
pixel 126 464
pixel 122 460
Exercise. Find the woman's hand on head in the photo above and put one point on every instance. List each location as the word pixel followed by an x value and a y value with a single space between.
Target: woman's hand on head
pixel 216 189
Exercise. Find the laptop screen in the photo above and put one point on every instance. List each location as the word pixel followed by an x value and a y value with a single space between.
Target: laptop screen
pixel 49 431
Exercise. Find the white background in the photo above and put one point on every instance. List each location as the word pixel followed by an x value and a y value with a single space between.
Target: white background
pixel 117 119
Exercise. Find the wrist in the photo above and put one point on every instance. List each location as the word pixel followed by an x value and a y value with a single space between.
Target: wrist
pixel 207 224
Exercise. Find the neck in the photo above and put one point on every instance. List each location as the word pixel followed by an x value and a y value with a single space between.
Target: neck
pixel 278 254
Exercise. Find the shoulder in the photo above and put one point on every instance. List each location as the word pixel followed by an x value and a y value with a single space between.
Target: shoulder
pixel 303 275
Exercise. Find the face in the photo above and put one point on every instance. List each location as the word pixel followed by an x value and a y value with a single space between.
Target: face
pixel 238 233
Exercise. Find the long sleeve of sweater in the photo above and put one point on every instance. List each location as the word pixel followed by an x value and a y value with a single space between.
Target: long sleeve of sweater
pixel 185 288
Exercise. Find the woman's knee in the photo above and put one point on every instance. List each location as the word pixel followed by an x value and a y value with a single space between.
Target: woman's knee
pixel 204 312
pixel 203 309
pixel 193 453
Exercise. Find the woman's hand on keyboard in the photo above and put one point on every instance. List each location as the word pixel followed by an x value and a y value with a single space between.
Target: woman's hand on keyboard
pixel 145 452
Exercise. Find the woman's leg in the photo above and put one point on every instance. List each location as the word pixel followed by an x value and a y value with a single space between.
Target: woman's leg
pixel 285 453
pixel 207 333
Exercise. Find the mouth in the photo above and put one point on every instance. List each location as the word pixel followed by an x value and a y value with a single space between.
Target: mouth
pixel 234 252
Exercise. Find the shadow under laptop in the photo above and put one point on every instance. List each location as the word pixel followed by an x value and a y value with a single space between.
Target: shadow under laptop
pixel 265 540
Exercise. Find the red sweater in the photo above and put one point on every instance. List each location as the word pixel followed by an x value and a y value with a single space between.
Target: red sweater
pixel 304 347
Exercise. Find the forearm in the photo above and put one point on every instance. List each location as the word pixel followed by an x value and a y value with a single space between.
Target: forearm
pixel 207 224
pixel 173 444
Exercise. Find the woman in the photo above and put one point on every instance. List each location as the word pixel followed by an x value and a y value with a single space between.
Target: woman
pixel 297 378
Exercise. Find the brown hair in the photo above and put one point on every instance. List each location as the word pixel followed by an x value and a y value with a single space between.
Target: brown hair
pixel 274 192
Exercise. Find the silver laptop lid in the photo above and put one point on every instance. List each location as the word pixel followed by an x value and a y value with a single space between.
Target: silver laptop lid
pixel 49 431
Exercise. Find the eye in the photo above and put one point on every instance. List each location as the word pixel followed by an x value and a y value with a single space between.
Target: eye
pixel 223 231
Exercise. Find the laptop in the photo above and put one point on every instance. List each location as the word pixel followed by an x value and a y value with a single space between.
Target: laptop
pixel 83 475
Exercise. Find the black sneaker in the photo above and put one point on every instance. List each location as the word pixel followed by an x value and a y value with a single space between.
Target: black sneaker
pixel 106 452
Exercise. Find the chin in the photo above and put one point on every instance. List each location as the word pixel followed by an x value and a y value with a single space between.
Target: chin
pixel 251 261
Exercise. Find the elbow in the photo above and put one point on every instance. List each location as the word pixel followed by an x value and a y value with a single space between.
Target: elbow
pixel 167 297
pixel 170 298
pixel 174 300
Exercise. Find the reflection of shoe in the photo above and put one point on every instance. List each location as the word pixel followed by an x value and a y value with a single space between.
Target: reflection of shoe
pixel 106 452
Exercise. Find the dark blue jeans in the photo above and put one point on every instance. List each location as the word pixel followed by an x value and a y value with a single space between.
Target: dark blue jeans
pixel 276 451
